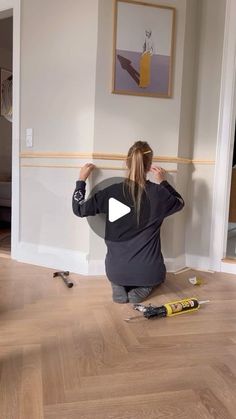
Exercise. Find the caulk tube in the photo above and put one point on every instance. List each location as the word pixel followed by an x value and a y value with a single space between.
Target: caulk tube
pixel 170 309
pixel 181 306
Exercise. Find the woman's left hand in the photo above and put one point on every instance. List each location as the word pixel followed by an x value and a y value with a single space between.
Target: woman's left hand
pixel 86 170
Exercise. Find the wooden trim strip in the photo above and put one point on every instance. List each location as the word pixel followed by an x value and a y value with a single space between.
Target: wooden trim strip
pixel 108 156
pixel 228 260
pixel 207 162
pixel 61 166
pixel 96 156
pixel 60 155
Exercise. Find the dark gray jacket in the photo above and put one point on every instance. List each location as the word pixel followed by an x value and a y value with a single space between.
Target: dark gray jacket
pixel 134 255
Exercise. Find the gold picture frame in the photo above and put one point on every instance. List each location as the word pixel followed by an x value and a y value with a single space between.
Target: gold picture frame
pixel 143 49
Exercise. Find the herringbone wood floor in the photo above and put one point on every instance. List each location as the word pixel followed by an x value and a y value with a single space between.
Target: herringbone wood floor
pixel 68 353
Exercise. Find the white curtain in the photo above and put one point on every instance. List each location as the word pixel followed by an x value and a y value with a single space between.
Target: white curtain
pixel 6 99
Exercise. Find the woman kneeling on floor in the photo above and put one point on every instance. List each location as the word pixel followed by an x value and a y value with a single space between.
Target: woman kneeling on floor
pixel 134 262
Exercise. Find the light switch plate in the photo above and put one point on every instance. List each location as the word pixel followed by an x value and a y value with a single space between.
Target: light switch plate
pixel 29 137
pixel 29 131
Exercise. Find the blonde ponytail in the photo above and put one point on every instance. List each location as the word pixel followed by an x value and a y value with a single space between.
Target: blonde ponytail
pixel 139 160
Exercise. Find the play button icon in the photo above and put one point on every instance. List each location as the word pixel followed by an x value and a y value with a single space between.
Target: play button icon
pixel 116 210
pixel 110 225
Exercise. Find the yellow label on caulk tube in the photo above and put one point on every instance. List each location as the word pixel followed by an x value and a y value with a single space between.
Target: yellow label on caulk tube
pixel 181 306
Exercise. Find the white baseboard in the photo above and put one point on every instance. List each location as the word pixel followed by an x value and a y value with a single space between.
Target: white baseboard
pixel 229 268
pixel 96 267
pixel 198 262
pixel 175 264
pixel 78 262
pixel 52 257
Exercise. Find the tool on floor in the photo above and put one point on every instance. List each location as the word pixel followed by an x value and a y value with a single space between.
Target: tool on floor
pixel 169 309
pixel 65 277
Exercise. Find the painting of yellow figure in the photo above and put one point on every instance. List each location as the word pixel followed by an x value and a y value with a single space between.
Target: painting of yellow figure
pixel 145 69
pixel 146 60
pixel 143 47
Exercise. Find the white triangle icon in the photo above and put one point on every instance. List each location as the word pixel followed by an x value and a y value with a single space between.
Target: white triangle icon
pixel 116 210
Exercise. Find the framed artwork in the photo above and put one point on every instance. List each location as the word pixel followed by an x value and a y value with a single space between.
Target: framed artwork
pixel 143 49
pixel 5 78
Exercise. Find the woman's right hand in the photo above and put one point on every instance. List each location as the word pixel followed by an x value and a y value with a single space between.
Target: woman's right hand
pixel 85 171
pixel 159 173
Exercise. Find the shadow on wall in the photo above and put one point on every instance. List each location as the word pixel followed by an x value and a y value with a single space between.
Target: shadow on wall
pixel 167 228
pixel 198 225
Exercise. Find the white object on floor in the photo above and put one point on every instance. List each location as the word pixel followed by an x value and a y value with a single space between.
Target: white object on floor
pixel 194 281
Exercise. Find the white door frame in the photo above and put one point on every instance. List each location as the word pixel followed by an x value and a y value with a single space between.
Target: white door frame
pixel 15 5
pixel 225 142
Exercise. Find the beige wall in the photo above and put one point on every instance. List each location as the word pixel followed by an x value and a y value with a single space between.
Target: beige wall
pixel 65 97
pixel 59 41
pixel 58 62
pixel 5 126
pixel 209 61
pixel 186 122
pixel 121 119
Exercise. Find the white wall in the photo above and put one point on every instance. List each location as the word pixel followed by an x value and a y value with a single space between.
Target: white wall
pixel 186 125
pixel 69 112
pixel 66 98
pixel 58 62
pixel 209 66
pixel 59 42
pixel 210 35
pixel 121 119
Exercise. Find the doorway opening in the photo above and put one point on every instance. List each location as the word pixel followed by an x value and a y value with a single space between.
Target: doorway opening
pixel 231 234
pixel 6 83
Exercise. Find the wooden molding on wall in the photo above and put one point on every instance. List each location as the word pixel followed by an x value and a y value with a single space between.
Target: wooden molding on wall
pixel 64 166
pixel 95 156
pixel 108 156
pixel 229 260
pixel 206 162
